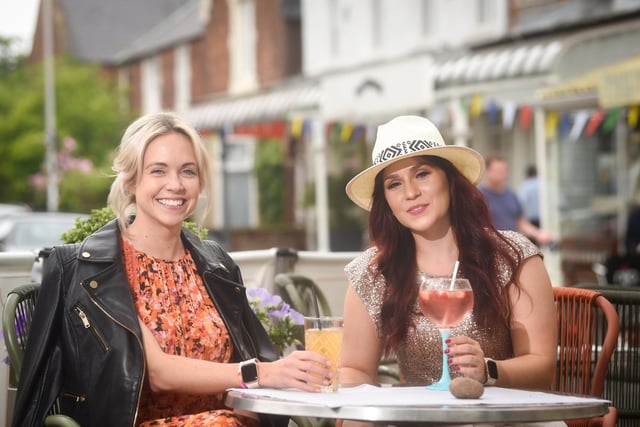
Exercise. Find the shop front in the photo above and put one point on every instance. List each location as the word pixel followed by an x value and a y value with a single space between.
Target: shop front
pixel 598 161
pixel 567 104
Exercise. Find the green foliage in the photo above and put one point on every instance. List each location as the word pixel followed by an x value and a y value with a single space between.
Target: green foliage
pixel 81 192
pixel 100 217
pixel 347 158
pixel 85 227
pixel 270 177
pixel 343 213
pixel 87 110
pixel 8 60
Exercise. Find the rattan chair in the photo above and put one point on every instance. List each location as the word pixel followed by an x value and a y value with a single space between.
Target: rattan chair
pixel 622 384
pixel 16 322
pixel 583 317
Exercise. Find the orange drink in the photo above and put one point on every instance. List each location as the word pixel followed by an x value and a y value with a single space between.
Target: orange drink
pixel 324 335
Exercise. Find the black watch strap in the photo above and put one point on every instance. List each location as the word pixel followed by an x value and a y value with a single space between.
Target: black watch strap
pixel 491 371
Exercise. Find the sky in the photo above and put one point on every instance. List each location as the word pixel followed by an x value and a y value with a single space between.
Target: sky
pixel 18 19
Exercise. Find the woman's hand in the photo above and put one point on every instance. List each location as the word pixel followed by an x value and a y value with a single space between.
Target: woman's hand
pixel 467 357
pixel 304 370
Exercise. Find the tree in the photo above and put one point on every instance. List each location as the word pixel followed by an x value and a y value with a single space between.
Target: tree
pixel 88 113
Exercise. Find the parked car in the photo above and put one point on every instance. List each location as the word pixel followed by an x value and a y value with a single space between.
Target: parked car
pixel 8 209
pixel 33 231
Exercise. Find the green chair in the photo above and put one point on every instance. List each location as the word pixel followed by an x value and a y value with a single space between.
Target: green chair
pixel 16 322
pixel 298 291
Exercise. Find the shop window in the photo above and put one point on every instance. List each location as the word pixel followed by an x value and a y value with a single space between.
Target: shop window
pixel 589 185
pixel 151 85
pixel 240 186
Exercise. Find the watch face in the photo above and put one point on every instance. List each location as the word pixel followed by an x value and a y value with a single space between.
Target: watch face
pixel 492 367
pixel 249 372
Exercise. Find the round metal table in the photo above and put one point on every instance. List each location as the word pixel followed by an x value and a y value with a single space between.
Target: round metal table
pixel 436 414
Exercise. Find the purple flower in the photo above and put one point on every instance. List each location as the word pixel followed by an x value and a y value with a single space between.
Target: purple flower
pixel 297 318
pixel 277 317
pixel 263 297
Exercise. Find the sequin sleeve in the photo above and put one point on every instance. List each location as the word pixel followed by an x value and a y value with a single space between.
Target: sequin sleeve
pixel 524 245
pixel 362 277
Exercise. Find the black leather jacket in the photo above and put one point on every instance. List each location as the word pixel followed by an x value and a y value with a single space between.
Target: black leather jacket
pixel 85 343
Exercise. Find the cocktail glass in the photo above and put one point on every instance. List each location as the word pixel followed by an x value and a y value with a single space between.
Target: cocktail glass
pixel 445 302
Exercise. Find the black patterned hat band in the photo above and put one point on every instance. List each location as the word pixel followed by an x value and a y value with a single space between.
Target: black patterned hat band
pixel 402 148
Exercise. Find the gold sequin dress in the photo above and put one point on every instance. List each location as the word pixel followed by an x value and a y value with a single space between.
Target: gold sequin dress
pixel 420 355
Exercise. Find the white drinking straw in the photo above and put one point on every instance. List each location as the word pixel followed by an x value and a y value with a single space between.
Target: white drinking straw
pixel 454 274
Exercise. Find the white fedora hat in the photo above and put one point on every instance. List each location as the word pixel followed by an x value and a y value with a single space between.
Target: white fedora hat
pixel 410 136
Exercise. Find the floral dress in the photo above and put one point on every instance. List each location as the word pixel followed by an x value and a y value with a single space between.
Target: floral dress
pixel 172 301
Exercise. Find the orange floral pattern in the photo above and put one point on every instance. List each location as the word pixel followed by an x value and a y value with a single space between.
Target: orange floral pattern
pixel 172 301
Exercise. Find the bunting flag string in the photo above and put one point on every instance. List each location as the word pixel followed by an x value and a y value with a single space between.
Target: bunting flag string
pixel 565 125
pixel 632 116
pixel 525 117
pixel 551 125
pixel 492 112
pixel 345 132
pixel 611 120
pixel 475 108
pixel 594 122
pixel 571 125
pixel 296 127
pixel 357 134
pixel 508 114
pixel 579 123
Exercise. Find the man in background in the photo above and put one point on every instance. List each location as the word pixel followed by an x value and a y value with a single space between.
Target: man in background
pixel 504 205
pixel 528 195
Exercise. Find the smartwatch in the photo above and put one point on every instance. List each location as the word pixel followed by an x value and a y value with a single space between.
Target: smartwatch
pixel 491 370
pixel 248 373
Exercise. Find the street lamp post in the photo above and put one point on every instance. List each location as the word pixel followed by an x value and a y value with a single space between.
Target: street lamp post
pixel 49 107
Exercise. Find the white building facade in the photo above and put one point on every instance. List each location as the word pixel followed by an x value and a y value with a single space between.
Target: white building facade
pixel 480 69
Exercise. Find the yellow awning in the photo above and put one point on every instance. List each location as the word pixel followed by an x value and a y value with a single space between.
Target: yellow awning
pixel 616 85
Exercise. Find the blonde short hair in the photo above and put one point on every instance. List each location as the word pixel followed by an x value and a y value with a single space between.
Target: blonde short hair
pixel 128 162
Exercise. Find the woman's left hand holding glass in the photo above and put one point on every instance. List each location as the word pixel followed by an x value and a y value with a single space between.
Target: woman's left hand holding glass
pixel 467 357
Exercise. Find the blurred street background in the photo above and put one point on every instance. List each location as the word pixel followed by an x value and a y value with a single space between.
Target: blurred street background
pixel 288 94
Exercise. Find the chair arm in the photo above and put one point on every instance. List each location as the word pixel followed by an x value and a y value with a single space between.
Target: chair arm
pixel 60 421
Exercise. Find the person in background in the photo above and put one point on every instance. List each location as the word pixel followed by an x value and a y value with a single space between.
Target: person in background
pixel 504 205
pixel 143 323
pixel 426 213
pixel 632 231
pixel 528 194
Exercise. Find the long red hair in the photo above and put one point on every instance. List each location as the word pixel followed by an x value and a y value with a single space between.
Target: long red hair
pixel 471 224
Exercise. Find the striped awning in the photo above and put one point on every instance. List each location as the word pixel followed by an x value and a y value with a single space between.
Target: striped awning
pixel 615 85
pixel 264 106
pixel 517 61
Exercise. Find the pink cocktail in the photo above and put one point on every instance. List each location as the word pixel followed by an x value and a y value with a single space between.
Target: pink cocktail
pixel 445 302
pixel 446 308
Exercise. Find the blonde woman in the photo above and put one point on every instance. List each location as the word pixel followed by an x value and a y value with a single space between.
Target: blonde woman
pixel 143 323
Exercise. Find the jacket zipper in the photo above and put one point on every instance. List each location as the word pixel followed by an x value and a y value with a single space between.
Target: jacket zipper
pixel 144 361
pixel 75 397
pixel 87 325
